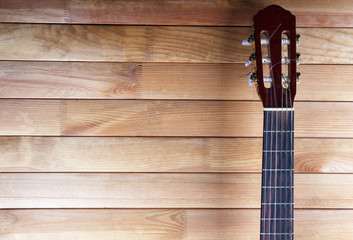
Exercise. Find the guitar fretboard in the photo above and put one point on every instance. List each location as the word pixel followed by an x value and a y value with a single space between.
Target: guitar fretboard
pixel 277 175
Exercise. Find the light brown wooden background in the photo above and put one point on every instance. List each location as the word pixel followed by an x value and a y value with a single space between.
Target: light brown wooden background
pixel 133 120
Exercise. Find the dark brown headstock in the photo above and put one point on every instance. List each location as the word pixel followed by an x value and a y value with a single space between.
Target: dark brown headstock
pixel 275 39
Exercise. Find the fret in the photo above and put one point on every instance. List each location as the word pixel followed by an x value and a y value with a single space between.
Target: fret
pixel 277 187
pixel 278 109
pixel 276 233
pixel 278 131
pixel 278 151
pixel 277 203
pixel 277 169
pixel 276 219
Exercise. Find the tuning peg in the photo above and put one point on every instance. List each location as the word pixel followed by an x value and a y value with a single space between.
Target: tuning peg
pixel 249 42
pixel 298 75
pixel 298 56
pixel 251 60
pixel 298 39
pixel 252 78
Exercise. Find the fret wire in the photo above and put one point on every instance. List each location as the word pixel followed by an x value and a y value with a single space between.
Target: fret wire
pixel 278 151
pixel 277 169
pixel 277 203
pixel 278 109
pixel 276 233
pixel 275 219
pixel 279 131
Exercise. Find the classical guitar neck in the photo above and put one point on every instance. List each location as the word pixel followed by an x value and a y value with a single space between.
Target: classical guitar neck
pixel 277 174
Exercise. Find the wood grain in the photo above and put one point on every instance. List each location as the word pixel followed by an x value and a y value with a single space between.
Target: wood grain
pixel 160 81
pixel 155 154
pixel 189 224
pixel 151 145
pixel 149 190
pixel 31 117
pixel 165 118
pixel 111 154
pixel 70 80
pixel 162 118
pixel 158 44
pixel 36 11
pixel 157 12
pixel 200 118
pixel 229 82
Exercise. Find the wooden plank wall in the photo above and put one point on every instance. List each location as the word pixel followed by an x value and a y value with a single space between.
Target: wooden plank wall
pixel 133 120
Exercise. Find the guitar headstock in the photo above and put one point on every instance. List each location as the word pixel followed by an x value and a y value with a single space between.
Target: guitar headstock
pixel 275 57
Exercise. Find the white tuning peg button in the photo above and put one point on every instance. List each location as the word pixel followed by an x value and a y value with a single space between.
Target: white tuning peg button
pixel 248 42
pixel 252 78
pixel 251 82
pixel 245 43
pixel 251 59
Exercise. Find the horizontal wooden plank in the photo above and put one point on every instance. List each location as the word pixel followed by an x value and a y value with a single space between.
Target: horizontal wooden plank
pixel 190 224
pixel 114 154
pixel 158 44
pixel 196 12
pixel 165 118
pixel 148 190
pixel 160 81
pixel 132 154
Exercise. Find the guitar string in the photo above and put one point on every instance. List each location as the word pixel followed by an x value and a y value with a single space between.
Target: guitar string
pixel 292 168
pixel 275 142
pixel 284 160
pixel 268 178
pixel 273 147
pixel 268 208
pixel 265 177
pixel 279 163
pixel 266 154
pixel 273 159
pixel 269 190
pixel 288 158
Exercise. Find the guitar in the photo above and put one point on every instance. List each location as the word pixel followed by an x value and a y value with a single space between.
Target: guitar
pixel 275 77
